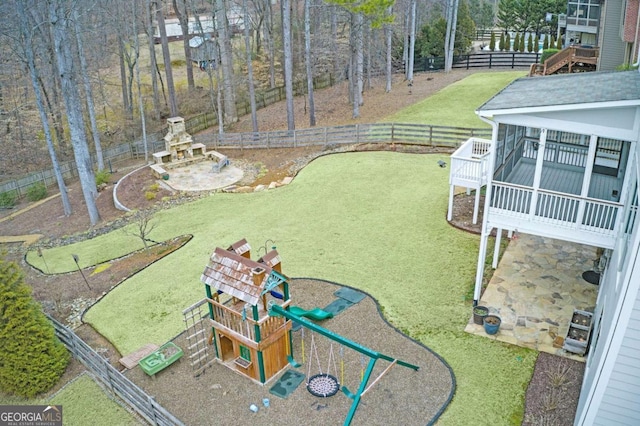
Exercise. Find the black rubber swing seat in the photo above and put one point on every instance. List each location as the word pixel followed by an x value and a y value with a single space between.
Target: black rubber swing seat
pixel 323 385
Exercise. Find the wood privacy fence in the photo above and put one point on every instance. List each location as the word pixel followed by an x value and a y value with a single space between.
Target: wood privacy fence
pixel 119 385
pixel 417 134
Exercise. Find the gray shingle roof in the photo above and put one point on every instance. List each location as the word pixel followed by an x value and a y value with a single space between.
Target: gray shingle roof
pixel 567 89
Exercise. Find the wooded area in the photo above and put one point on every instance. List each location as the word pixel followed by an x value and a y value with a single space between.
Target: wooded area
pixel 80 77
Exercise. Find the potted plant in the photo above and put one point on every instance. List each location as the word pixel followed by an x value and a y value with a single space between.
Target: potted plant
pixel 479 312
pixel 491 324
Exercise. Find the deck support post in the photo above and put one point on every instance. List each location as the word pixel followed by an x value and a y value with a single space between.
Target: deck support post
pixel 496 248
pixel 482 256
pixel 450 209
pixel 476 206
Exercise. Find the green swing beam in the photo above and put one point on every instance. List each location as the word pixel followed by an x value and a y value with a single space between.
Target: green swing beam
pixel 277 310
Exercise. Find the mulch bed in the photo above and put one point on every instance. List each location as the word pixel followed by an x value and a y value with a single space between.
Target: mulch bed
pixel 402 396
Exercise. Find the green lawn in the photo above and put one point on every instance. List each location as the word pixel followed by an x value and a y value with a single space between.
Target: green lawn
pixel 375 221
pixel 455 105
pixel 83 403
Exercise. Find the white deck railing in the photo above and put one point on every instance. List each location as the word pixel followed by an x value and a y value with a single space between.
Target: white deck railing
pixel 470 163
pixel 543 211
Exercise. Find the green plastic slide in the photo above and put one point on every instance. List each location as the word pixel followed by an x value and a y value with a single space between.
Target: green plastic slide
pixel 314 314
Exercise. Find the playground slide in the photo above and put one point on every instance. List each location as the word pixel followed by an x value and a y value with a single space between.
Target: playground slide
pixel 315 313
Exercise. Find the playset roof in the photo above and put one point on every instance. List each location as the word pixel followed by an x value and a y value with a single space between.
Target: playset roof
pixel 235 275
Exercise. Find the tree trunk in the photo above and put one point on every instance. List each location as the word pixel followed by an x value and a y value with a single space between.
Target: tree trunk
pixel 288 61
pixel 247 46
pixel 388 32
pixel 338 74
pixel 450 38
pixel 152 60
pixel 412 43
pixel 307 56
pixel 173 106
pixel 143 123
pixel 226 62
pixel 183 18
pixel 128 113
pixel 33 73
pixel 88 92
pixel 268 36
pixel 74 111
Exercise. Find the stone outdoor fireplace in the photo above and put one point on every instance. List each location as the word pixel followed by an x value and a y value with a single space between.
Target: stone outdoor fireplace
pixel 178 145
pixel 179 150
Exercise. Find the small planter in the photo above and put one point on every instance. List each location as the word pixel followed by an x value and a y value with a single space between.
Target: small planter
pixel 492 324
pixel 165 176
pixel 479 312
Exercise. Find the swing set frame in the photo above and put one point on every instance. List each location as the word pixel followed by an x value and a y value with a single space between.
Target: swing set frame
pixel 373 357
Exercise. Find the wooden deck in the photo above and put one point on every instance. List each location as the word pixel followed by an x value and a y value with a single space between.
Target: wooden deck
pixel 566 179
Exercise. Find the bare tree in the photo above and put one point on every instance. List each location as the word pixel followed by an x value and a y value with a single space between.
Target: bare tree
pixel 288 62
pixel 142 227
pixel 88 92
pixel 168 71
pixel 412 41
pixel 27 38
pixel 307 57
pixel 180 8
pixel 226 62
pixel 247 46
pixel 61 29
pixel 388 32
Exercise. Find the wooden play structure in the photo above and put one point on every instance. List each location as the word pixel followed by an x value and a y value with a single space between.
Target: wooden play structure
pixel 239 292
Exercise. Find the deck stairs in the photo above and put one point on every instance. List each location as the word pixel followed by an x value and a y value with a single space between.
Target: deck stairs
pixel 570 59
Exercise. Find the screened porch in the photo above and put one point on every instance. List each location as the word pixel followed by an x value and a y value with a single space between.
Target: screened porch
pixel 558 184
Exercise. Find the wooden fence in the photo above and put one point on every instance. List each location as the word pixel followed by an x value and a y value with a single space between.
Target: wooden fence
pixel 119 385
pixel 488 60
pixel 417 134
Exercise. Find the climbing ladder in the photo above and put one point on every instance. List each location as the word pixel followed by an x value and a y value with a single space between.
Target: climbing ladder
pixel 195 322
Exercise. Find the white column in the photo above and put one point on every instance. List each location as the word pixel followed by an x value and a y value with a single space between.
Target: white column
pixel 482 256
pixel 586 180
pixel 496 248
pixel 476 206
pixel 538 172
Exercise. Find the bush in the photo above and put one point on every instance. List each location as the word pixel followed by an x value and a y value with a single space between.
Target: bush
pixel 102 176
pixel 8 199
pixel 155 187
pixel 546 54
pixel 492 42
pixel 36 192
pixel 150 195
pixel 32 359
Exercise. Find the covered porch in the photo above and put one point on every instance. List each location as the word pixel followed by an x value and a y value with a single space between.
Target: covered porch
pixel 535 290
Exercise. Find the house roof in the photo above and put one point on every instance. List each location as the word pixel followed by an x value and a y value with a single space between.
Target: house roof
pixel 234 275
pixel 565 90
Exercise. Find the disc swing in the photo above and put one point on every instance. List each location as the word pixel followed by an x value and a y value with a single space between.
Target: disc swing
pixel 323 384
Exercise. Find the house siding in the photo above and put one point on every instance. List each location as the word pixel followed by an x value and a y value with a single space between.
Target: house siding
pixel 612 52
pixel 621 399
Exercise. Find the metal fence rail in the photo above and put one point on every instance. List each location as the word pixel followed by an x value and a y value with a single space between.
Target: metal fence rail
pixel 118 384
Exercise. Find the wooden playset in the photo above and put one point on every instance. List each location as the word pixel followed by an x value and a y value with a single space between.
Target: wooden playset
pixel 239 292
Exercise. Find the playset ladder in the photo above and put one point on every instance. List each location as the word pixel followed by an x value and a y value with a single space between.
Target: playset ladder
pixel 195 321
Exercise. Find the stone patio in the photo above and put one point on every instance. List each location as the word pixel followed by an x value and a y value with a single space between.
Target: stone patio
pixel 535 289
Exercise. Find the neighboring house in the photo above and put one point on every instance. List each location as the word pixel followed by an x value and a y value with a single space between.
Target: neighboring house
pixel 564 163
pixel 204 52
pixel 612 25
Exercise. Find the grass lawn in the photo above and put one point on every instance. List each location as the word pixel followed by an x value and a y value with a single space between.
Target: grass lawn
pixel 83 403
pixel 455 105
pixel 344 217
